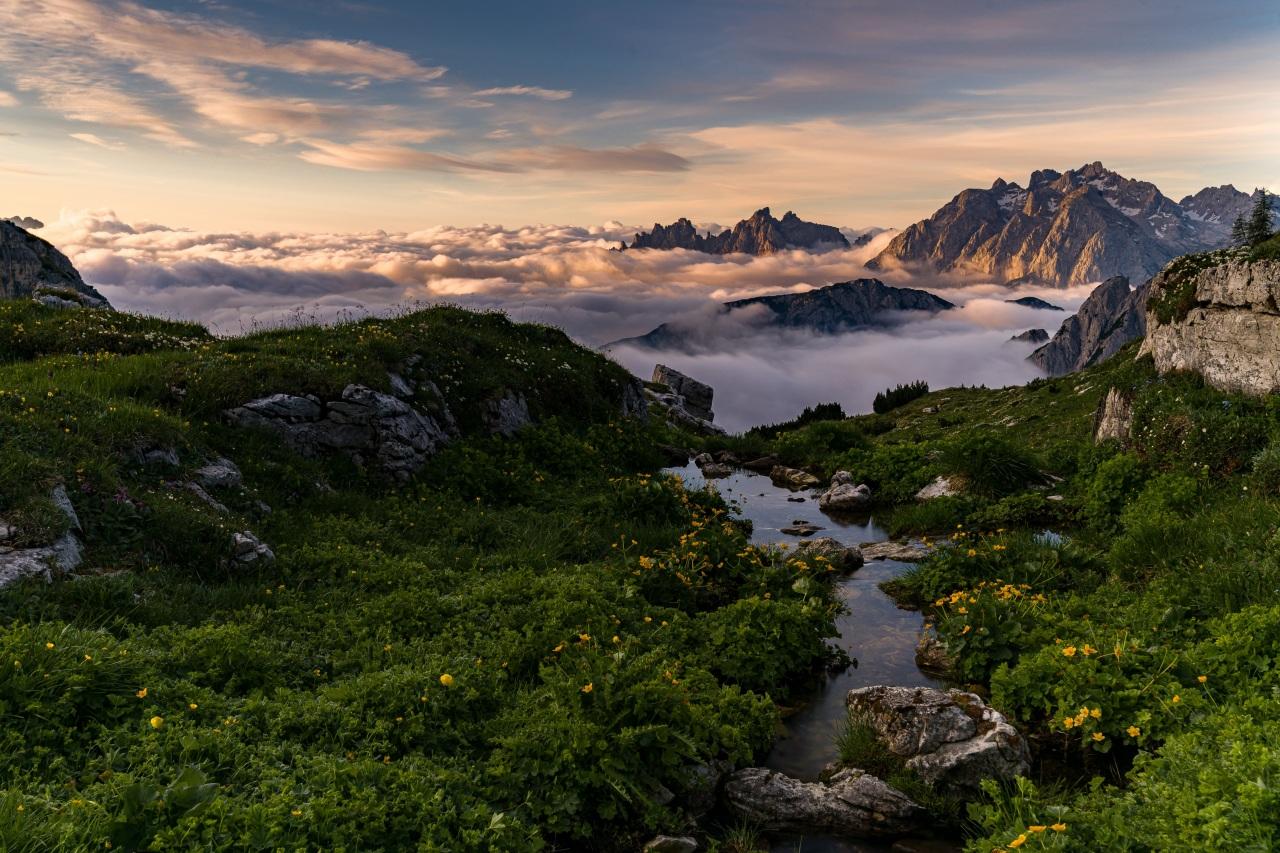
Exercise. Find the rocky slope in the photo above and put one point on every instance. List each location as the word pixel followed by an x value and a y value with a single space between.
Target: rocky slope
pixel 1066 228
pixel 762 234
pixel 32 268
pixel 1218 316
pixel 837 308
pixel 1111 317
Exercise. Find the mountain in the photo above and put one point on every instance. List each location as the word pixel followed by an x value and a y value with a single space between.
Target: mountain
pixel 1034 302
pixel 759 235
pixel 844 307
pixel 1065 228
pixel 1111 317
pixel 31 268
pixel 1030 336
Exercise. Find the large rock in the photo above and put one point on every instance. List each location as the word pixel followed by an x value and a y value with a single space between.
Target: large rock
pixel 1114 418
pixel 939 487
pixel 31 268
pixel 697 395
pixel 903 552
pixel 792 478
pixel 850 804
pixel 507 415
pixel 845 558
pixel 843 495
pixel 1221 320
pixel 369 426
pixel 1111 317
pixel 950 739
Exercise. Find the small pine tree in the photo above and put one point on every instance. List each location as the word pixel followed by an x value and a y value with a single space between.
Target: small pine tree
pixel 1240 231
pixel 1259 225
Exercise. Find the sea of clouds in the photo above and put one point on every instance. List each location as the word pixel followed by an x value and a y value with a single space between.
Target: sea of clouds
pixel 568 277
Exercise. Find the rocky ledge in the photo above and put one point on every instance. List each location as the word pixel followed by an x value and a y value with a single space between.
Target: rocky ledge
pixel 1219 316
pixel 850 803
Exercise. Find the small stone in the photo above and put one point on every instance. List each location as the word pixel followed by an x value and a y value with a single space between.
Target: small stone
pixel 671 844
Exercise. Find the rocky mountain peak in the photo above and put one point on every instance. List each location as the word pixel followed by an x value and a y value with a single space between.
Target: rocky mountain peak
pixel 760 234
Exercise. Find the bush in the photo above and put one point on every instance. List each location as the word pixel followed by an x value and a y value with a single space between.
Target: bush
pixel 899 395
pixel 990 465
pixel 811 414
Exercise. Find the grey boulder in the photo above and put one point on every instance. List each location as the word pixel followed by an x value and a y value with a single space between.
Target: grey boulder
pixel 844 495
pixel 850 803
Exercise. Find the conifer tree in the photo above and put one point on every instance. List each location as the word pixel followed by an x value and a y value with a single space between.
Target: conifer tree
pixel 1240 231
pixel 1259 226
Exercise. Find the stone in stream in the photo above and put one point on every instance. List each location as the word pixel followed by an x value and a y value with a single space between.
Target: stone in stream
pixel 763 465
pixel 903 552
pixel 850 803
pixel 951 739
pixel 795 500
pixel 844 495
pixel 792 478
pixel 844 558
pixel 800 527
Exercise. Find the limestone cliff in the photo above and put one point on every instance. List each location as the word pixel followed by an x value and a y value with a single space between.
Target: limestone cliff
pixel 31 268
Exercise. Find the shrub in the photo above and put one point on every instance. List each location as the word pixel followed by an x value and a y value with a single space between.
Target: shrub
pixel 811 414
pixel 899 395
pixel 990 465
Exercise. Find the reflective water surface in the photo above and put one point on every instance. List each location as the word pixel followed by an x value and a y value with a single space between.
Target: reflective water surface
pixel 873 631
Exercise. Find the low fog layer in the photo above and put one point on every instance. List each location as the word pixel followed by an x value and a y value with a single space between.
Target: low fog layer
pixel 568 277
pixel 779 374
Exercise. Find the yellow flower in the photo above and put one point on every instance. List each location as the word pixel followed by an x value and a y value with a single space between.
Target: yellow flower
pixel 1059 827
pixel 616 639
pixel 446 680
pixel 588 687
pixel 966 629
pixel 48 645
pixel 1099 736
pixel 558 649
pixel 157 722
pixel 1037 828
pixel 1176 698
pixel 193 706
pixel 1202 678
pixel 296 812
pixel 1068 722
pixel 1133 731
pixel 648 619
pixel 584 638
pixel 972 552
pixel 1019 841
pixel 1096 713
pixel 1069 651
pixel 1087 650
pixel 141 694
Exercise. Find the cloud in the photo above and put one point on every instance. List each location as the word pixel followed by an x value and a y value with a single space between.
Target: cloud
pixel 376 157
pixel 30 223
pixel 570 158
pixel 530 91
pixel 94 139
pixel 7 99
pixel 567 276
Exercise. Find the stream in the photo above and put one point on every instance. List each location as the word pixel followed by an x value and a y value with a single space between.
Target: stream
pixel 872 630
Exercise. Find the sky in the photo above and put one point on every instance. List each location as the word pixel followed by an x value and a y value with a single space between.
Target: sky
pixel 400 115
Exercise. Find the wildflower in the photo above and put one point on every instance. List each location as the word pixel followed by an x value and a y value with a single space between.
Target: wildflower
pixel 558 649
pixel 965 630
pixel 141 694
pixel 584 638
pixel 1099 736
pixel 1176 698
pixel 648 619
pixel 1037 828
pixel 1069 651
pixel 296 812
pixel 1068 722
pixel 1096 713
pixel 972 553
pixel 48 645
pixel 588 687
pixel 1019 841
pixel 1202 678
pixel 193 706
pixel 1087 650
pixel 446 680
pixel 1133 731
pixel 616 639
pixel 1059 827
pixel 157 722
pixel 88 658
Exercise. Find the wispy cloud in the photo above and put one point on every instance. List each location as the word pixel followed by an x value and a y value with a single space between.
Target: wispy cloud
pixel 94 139
pixel 530 91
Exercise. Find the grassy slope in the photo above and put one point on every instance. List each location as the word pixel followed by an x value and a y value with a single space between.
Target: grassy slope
pixel 1142 652
pixel 479 660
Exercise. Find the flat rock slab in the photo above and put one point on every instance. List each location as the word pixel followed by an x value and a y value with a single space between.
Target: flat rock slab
pixel 903 552
pixel 851 804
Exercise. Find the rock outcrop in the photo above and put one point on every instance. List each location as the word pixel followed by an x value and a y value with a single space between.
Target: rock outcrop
pixel 1220 317
pixel 1035 302
pixel 1114 418
pixel 844 494
pixel 951 739
pixel 31 268
pixel 685 401
pixel 835 309
pixel 1064 229
pixel 64 554
pixel 903 552
pixel 1111 317
pixel 792 478
pixel 849 804
pixel 371 427
pixel 939 487
pixel 759 235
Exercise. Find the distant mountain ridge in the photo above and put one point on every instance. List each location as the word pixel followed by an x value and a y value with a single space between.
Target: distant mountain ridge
pixel 1066 228
pixel 844 307
pixel 761 234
